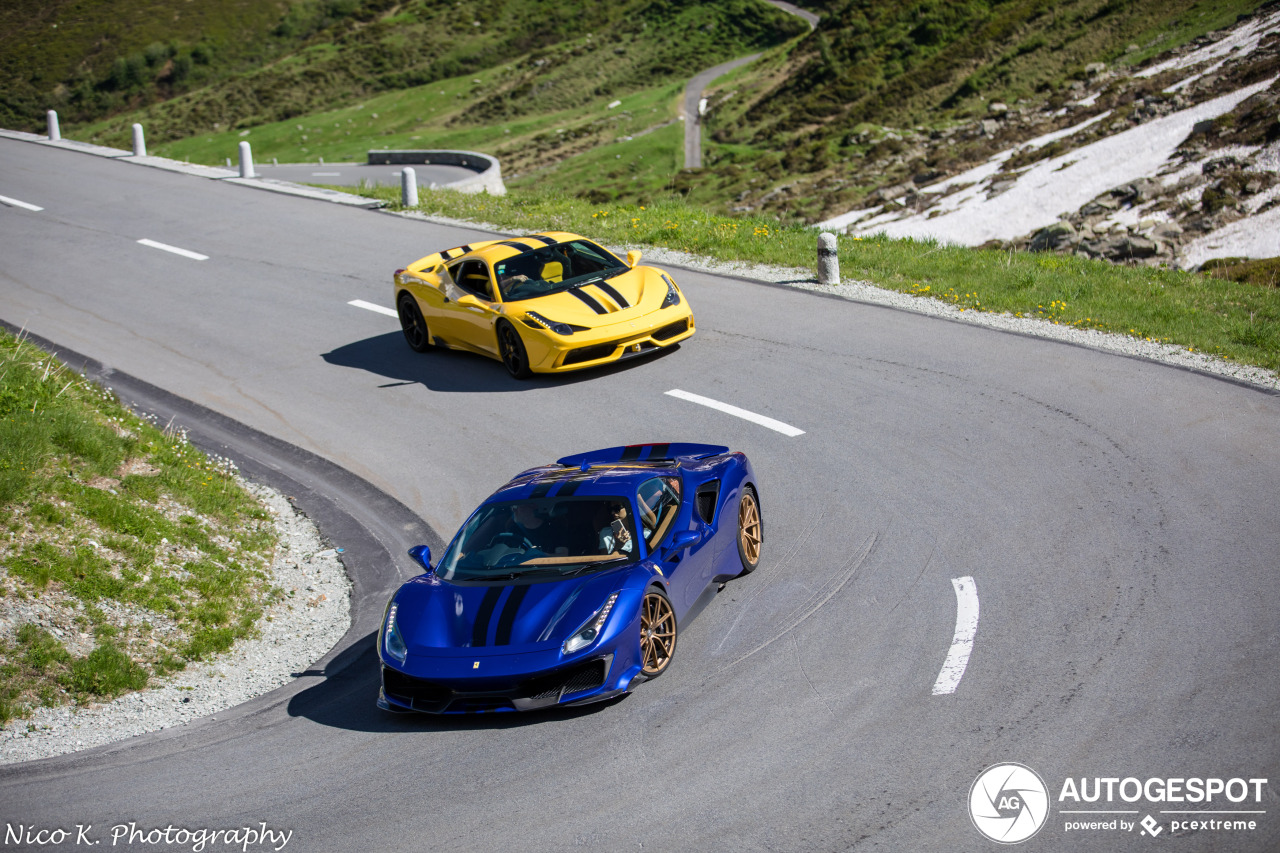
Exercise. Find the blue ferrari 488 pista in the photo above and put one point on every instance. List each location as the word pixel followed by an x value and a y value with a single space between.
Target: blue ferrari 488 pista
pixel 571 582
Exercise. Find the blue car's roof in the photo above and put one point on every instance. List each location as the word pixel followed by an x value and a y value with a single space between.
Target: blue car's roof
pixel 610 471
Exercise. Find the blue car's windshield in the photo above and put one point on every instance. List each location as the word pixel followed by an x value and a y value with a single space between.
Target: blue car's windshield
pixel 552 269
pixel 543 536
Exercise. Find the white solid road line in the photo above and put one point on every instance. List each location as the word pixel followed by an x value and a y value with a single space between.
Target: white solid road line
pixel 13 202
pixel 165 247
pixel 778 426
pixel 962 643
pixel 326 174
pixel 369 306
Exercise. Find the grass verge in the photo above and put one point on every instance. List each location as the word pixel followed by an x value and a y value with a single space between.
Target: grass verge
pixel 124 553
pixel 1237 321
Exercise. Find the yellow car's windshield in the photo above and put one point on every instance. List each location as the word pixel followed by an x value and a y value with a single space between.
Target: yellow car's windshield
pixel 552 269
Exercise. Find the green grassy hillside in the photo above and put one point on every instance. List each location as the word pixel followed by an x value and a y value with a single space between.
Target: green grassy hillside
pixel 552 57
pixel 88 58
pixel 582 97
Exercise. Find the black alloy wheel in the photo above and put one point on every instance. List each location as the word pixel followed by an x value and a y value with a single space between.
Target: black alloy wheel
pixel 512 350
pixel 413 323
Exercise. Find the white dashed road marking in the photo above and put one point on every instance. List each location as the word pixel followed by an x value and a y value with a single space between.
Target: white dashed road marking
pixel 369 306
pixel 962 643
pixel 777 426
pixel 13 202
pixel 165 247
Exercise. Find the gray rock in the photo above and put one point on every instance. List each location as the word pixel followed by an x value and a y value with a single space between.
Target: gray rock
pixel 1056 236
pixel 1101 204
pixel 1222 164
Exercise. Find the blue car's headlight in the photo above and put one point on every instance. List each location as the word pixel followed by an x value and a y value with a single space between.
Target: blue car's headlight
pixel 587 634
pixel 673 293
pixel 392 642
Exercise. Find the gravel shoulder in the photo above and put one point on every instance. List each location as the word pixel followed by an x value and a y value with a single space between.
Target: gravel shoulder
pixel 292 635
pixel 861 291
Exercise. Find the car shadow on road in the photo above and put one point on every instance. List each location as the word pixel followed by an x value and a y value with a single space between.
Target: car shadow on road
pixel 346 699
pixel 456 372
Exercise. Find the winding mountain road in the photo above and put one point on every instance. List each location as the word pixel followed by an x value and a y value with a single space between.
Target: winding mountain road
pixel 1112 522
pixel 691 106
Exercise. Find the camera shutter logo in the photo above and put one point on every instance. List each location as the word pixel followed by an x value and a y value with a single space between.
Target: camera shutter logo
pixel 1008 803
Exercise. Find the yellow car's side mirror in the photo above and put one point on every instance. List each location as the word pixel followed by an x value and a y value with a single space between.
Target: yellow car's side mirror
pixel 633 257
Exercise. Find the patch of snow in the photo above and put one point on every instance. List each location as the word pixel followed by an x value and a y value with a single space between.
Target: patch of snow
pixel 1253 237
pixel 1242 41
pixel 1054 187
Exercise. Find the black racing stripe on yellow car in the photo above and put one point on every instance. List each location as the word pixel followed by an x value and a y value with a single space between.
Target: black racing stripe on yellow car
pixel 613 294
pixel 524 247
pixel 550 241
pixel 480 631
pixel 589 300
pixel 509 611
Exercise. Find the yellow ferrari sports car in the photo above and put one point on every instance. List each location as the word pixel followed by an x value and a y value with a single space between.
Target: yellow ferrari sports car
pixel 545 303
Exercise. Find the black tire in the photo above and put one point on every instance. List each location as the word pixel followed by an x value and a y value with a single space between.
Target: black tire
pixel 413 324
pixel 658 633
pixel 750 530
pixel 511 348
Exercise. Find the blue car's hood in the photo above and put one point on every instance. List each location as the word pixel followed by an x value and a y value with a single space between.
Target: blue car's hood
pixel 500 619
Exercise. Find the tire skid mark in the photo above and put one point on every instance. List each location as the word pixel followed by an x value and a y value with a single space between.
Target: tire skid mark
pixel 824 594
pixel 772 576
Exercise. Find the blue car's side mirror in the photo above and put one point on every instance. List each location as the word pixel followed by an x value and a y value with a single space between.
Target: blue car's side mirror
pixel 422 554
pixel 684 539
pixel 680 541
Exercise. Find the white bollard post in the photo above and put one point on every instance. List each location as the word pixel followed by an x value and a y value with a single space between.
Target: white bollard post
pixel 139 142
pixel 246 161
pixel 828 260
pixel 54 133
pixel 409 187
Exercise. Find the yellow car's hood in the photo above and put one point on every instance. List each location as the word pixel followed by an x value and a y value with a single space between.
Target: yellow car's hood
pixel 628 296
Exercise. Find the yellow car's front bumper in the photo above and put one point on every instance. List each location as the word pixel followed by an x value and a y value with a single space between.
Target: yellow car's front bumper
pixel 552 353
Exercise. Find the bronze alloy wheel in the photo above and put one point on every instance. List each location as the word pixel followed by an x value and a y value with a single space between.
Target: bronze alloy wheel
pixel 750 530
pixel 657 633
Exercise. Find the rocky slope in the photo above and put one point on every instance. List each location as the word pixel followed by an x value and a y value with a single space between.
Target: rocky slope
pixel 1171 163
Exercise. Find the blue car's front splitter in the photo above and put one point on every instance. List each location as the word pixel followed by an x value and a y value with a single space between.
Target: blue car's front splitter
pixel 578 683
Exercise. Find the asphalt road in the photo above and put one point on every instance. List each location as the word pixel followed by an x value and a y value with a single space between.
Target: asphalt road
pixel 1118 519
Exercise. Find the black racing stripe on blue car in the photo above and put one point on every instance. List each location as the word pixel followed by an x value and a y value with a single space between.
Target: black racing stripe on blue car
pixel 659 451
pixel 508 620
pixel 569 487
pixel 541 490
pixel 613 294
pixel 632 453
pixel 480 632
pixel 589 300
